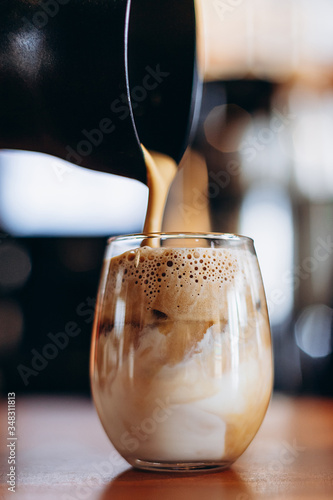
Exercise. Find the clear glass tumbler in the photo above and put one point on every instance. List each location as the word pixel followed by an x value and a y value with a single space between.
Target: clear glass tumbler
pixel 181 358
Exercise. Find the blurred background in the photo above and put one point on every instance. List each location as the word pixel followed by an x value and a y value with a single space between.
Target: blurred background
pixel 262 148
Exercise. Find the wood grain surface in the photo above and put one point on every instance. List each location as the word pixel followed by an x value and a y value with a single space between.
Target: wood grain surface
pixel 62 453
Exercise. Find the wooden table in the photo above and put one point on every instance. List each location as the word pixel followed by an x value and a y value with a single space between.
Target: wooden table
pixel 62 453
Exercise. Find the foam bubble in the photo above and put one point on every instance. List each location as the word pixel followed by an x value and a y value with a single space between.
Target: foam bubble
pixel 189 283
pixel 165 264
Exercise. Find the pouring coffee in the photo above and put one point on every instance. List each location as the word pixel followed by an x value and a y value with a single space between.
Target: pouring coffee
pixel 89 81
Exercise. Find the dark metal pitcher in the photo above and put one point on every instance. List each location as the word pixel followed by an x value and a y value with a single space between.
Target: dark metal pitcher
pixel 89 80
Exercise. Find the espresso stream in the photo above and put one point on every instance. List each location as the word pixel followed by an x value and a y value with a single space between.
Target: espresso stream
pixel 161 171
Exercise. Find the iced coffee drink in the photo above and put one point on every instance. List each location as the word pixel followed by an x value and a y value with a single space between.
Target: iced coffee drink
pixel 181 363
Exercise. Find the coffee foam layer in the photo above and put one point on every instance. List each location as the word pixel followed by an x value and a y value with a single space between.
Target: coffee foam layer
pixel 170 283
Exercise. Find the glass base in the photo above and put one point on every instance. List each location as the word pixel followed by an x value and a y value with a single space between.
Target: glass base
pixel 180 466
